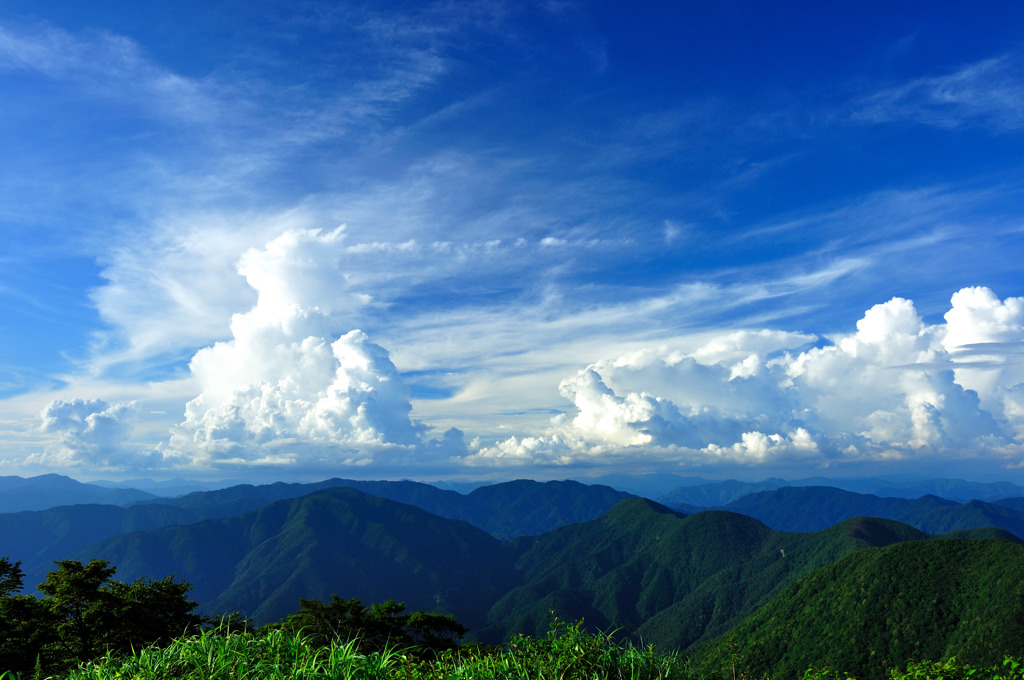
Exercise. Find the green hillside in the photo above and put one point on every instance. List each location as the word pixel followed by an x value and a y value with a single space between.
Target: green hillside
pixel 667 579
pixel 878 608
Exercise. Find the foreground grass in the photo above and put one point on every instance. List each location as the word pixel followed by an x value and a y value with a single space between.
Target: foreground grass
pixel 567 653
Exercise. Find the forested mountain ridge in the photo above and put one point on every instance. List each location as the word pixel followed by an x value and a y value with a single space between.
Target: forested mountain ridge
pixel 877 608
pixel 37 537
pixel 666 578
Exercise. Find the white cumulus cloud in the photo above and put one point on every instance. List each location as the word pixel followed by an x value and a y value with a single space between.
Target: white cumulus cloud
pixel 285 387
pixel 897 387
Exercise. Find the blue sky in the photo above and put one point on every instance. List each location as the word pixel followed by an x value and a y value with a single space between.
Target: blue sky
pixel 484 239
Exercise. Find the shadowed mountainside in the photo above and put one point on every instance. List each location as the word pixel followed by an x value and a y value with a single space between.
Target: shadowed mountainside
pixel 332 541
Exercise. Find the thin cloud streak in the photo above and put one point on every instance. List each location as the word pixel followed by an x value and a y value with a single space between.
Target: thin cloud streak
pixel 987 94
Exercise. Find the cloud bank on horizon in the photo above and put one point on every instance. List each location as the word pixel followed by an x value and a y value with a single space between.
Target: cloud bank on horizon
pixel 575 240
pixel 284 390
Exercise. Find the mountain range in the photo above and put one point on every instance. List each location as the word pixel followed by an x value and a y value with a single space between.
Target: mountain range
pixel 670 579
pixel 505 557
pixel 704 493
pixel 36 538
pixel 814 508
pixel 51 490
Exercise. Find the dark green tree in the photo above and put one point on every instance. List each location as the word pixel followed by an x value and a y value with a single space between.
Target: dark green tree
pixel 435 631
pixel 150 612
pixel 376 627
pixel 24 622
pixel 12 578
pixel 83 611
pixel 84 614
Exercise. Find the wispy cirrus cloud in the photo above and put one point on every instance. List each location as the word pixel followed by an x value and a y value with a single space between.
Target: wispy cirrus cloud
pixel 987 93
pixel 110 67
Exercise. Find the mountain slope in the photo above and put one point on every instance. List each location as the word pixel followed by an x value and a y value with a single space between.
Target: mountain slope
pixel 526 508
pixel 337 540
pixel 1015 503
pixel 878 608
pixel 668 579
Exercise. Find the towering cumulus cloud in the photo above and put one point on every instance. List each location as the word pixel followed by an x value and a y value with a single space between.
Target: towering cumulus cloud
pixel 896 388
pixel 285 389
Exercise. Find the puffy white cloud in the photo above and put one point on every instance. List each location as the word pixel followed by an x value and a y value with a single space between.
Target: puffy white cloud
pixel 759 447
pixel 984 337
pixel 284 379
pixel 299 269
pixel 89 432
pixel 629 420
pixel 897 387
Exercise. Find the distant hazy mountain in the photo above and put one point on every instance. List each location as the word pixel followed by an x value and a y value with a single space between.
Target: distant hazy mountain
pixel 170 488
pixel 717 494
pixel 1012 503
pixel 335 541
pixel 878 608
pixel 721 493
pixel 814 508
pixel 47 491
pixel 525 508
pixel 646 485
pixel 953 489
